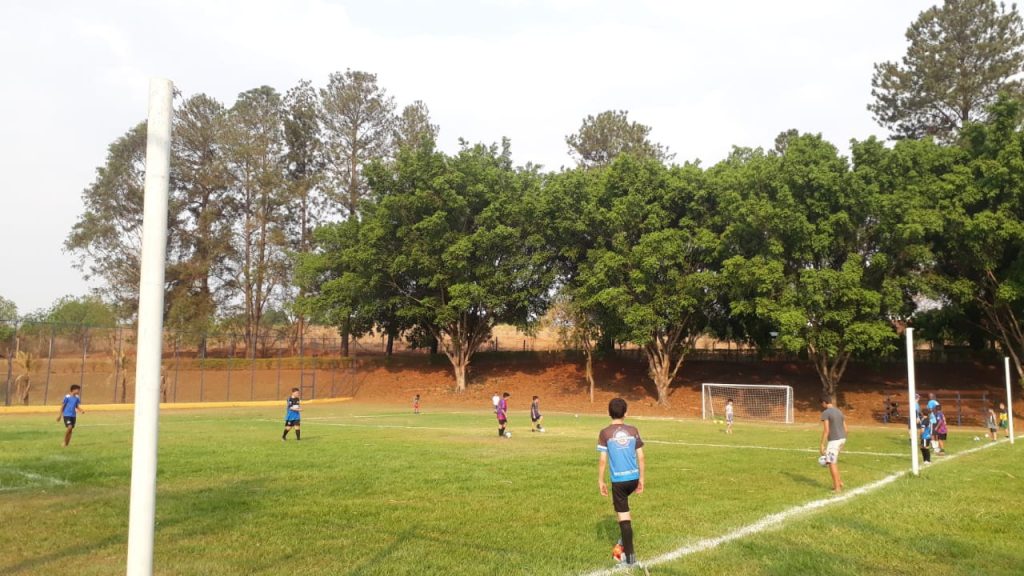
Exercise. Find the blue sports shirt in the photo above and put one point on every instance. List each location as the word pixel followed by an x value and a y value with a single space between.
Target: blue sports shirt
pixel 292 414
pixel 621 442
pixel 71 403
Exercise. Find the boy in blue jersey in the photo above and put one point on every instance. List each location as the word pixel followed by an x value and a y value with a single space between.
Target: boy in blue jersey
pixel 292 418
pixel 621 449
pixel 69 410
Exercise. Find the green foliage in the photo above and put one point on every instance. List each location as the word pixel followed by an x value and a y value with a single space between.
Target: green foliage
pixel 961 55
pixel 604 137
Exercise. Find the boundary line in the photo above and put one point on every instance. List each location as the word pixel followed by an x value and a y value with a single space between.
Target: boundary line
pixel 777 519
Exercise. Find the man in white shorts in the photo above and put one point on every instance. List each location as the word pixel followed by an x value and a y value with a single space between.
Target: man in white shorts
pixel 833 437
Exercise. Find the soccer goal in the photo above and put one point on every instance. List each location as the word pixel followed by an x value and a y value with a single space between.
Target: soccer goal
pixel 767 402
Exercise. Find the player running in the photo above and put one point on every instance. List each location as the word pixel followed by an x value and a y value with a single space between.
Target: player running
pixel 69 410
pixel 535 415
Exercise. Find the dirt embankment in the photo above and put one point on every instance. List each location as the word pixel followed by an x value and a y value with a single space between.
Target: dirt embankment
pixel 559 381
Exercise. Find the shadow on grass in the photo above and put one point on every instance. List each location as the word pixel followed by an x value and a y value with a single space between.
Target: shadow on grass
pixel 818 480
pixel 63 556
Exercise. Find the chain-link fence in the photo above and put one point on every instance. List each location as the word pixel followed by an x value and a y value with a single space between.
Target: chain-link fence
pixel 41 361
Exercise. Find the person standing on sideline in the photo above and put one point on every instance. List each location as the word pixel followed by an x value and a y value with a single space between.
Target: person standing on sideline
pixel 535 415
pixel 991 423
pixel 833 437
pixel 416 404
pixel 1004 418
pixel 501 411
pixel 728 416
pixel 621 449
pixel 495 400
pixel 69 410
pixel 940 429
pixel 292 418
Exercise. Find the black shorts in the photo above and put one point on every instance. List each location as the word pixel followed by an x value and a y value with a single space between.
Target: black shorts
pixel 941 436
pixel 292 422
pixel 535 420
pixel 621 492
pixel 502 421
pixel 69 421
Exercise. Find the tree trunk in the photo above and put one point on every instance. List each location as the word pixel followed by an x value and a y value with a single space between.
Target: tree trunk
pixel 346 333
pixel 830 369
pixel 390 346
pixel 590 372
pixel 460 374
pixel 433 346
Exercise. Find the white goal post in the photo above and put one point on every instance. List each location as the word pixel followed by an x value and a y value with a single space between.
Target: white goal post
pixel 765 402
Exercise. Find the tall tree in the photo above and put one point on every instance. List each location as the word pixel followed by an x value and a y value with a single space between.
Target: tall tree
pixel 257 264
pixel 961 55
pixel 200 181
pixel 358 118
pixel 307 205
pixel 980 248
pixel 413 127
pixel 106 241
pixel 460 240
pixel 653 265
pixel 602 138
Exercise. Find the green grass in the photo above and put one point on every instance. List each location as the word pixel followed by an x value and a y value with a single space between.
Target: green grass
pixel 372 491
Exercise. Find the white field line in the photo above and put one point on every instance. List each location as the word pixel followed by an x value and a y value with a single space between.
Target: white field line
pixel 36 479
pixel 775 448
pixel 777 519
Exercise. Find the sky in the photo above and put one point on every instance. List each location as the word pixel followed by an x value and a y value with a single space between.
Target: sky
pixel 706 76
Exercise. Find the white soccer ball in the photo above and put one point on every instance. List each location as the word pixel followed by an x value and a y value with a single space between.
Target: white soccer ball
pixel 976 439
pixel 822 460
pixel 508 434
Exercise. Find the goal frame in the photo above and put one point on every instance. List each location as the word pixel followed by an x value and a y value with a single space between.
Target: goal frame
pixel 705 396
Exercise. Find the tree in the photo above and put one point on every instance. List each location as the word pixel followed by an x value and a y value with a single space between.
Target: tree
pixel 107 238
pixel 652 266
pixel 459 239
pixel 358 119
pixel 980 247
pixel 257 264
pixel 828 256
pixel 602 138
pixel 413 127
pixel 200 185
pixel 961 55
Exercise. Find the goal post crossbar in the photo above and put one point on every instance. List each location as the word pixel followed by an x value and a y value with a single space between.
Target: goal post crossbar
pixel 767 402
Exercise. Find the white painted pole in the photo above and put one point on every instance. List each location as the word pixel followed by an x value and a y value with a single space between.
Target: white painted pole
pixel 912 408
pixel 1009 399
pixel 142 511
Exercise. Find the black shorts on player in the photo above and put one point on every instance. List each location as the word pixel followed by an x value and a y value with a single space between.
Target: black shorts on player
pixel 621 492
pixel 69 421
pixel 502 421
pixel 292 422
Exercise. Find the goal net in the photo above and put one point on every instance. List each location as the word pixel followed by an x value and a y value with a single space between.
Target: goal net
pixel 766 402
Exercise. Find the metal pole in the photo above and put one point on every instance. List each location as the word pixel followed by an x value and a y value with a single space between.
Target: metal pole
pixel 202 367
pixel 959 420
pixel 252 375
pixel 85 351
pixel 1009 399
pixel 10 364
pixel 49 366
pixel 142 510
pixel 117 363
pixel 911 393
pixel 177 368
pixel 231 360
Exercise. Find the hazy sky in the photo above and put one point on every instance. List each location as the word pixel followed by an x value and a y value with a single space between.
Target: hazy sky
pixel 705 75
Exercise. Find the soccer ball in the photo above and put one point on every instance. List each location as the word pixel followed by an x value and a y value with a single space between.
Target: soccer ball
pixel 976 439
pixel 617 552
pixel 508 434
pixel 822 460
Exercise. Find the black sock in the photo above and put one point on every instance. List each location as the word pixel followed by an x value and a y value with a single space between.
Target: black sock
pixel 285 435
pixel 298 434
pixel 626 528
pixel 501 432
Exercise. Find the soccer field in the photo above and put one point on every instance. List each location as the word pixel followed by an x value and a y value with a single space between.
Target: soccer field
pixel 377 490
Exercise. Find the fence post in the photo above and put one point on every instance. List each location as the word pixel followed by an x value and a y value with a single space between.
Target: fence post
pixel 85 351
pixel 117 363
pixel 177 368
pixel 278 394
pixel 202 366
pixel 10 364
pixel 49 365
pixel 231 360
pixel 959 415
pixel 252 375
